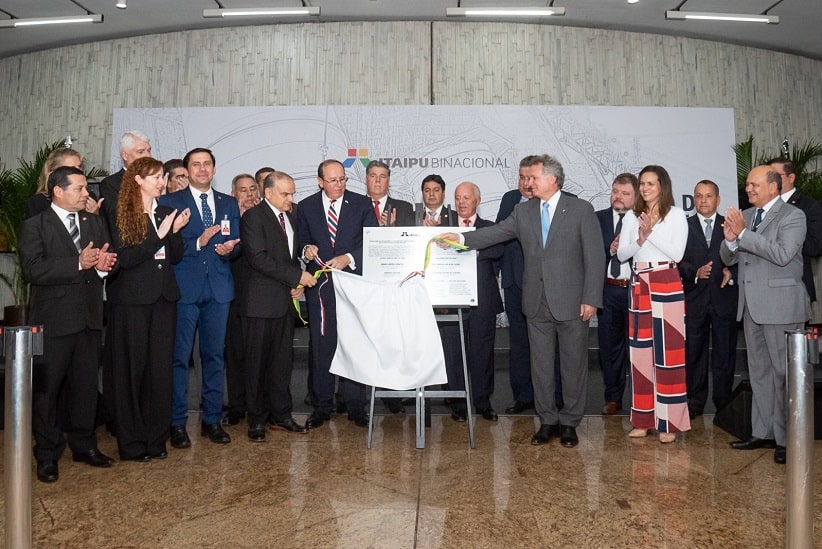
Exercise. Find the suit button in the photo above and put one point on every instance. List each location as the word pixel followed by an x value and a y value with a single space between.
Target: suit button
pixel 159 265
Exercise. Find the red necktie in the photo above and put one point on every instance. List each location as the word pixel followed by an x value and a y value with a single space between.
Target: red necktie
pixel 282 225
pixel 466 222
pixel 332 223
pixel 377 209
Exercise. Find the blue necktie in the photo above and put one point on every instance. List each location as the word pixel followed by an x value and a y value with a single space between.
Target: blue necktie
pixel 546 222
pixel 208 217
pixel 757 219
pixel 616 266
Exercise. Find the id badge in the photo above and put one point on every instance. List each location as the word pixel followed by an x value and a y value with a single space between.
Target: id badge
pixel 225 226
pixel 160 254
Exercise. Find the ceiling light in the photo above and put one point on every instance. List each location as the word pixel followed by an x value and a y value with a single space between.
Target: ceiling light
pixel 90 18
pixel 250 12
pixel 710 16
pixel 121 4
pixel 633 1
pixel 503 12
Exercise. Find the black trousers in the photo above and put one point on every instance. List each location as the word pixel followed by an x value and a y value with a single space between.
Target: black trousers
pixel 69 363
pixel 142 345
pixel 235 374
pixel 269 356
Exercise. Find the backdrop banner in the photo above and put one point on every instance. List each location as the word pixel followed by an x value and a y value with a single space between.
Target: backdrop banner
pixel 482 144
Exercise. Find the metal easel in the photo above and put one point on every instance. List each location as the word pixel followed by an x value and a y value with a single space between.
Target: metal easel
pixel 421 393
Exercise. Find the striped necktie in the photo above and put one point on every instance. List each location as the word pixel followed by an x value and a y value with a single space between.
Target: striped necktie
pixel 332 223
pixel 74 231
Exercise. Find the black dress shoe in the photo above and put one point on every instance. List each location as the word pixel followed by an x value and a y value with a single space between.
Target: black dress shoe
pixel 519 407
pixel 360 419
pixel 460 414
pixel 544 434
pixel 568 436
pixel 93 457
pixel 139 458
pixel 47 471
pixel 488 414
pixel 256 432
pixel 215 433
pixel 753 443
pixel 780 455
pixel 316 419
pixel 179 437
pixel 288 425
pixel 393 405
pixel 162 454
pixel 233 417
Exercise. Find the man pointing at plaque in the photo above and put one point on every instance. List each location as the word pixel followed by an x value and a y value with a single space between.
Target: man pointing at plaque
pixel 562 288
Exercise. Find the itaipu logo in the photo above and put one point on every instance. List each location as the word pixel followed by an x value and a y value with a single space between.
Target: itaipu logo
pixel 354 155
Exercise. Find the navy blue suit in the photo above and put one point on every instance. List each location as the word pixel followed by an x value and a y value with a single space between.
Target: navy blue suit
pixel 206 289
pixel 710 318
pixel 357 211
pixel 511 269
pixel 612 321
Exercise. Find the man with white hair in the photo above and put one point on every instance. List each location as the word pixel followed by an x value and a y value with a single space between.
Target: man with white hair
pixel 133 145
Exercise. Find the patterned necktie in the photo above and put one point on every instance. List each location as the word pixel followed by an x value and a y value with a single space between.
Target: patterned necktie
pixel 466 222
pixel 546 222
pixel 282 225
pixel 757 219
pixel 377 209
pixel 615 266
pixel 708 230
pixel 208 217
pixel 74 231
pixel 332 223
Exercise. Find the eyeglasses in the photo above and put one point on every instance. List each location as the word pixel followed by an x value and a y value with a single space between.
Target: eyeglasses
pixel 340 181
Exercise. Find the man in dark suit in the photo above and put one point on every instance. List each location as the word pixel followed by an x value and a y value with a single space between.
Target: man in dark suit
pixel 64 256
pixel 265 306
pixel 562 288
pixel 207 287
pixel 330 231
pixel 481 323
pixel 377 182
pixel 244 188
pixel 766 242
pixel 812 247
pixel 711 298
pixel 431 212
pixel 134 144
pixel 511 268
pixel 612 325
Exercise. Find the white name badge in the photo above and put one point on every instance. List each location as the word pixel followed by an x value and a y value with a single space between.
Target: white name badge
pixel 225 226
pixel 160 254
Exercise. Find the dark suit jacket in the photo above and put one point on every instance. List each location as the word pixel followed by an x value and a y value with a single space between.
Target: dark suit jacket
pixel 205 266
pixel 64 299
pixel 698 295
pixel 568 270
pixel 141 279
pixel 512 264
pixel 488 296
pixel 357 212
pixel 110 190
pixel 273 270
pixel 405 212
pixel 812 246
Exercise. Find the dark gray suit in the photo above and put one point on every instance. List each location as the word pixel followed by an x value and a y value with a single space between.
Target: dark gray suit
pixel 558 279
pixel 772 299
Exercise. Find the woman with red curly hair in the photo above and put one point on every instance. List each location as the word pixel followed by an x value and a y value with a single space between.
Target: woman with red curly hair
pixel 143 294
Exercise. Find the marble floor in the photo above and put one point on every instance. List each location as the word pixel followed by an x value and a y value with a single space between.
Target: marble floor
pixel 326 489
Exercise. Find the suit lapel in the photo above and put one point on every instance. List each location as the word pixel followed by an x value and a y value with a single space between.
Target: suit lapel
pixel 60 229
pixel 557 219
pixel 770 215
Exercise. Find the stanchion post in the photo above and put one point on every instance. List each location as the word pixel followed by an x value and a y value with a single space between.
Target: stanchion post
pixel 20 345
pixel 799 480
